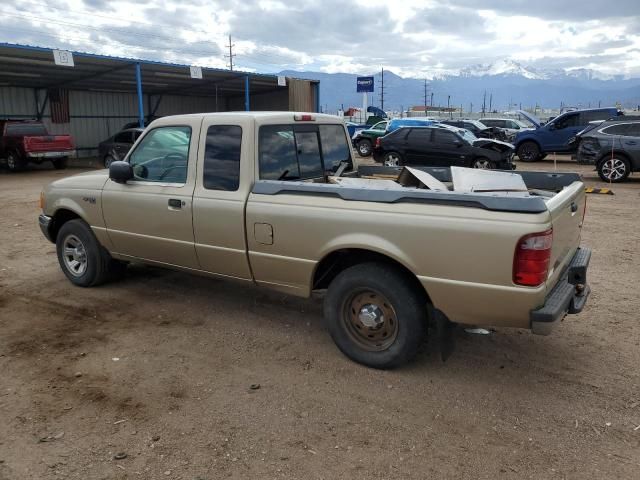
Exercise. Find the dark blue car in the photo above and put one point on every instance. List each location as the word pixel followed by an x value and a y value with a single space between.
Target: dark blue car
pixel 553 136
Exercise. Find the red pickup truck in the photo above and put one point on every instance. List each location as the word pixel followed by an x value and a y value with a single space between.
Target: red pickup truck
pixel 25 141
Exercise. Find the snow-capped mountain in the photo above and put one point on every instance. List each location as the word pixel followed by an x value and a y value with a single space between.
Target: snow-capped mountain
pixel 503 67
pixel 505 82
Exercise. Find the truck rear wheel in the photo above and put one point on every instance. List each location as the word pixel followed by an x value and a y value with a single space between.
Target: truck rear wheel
pixel 375 315
pixel 15 163
pixel 82 259
pixel 60 163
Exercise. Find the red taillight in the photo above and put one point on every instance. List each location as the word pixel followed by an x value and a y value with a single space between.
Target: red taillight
pixel 378 142
pixel 304 118
pixel 531 259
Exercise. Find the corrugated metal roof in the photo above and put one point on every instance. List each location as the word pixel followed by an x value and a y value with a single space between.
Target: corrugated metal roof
pixel 34 67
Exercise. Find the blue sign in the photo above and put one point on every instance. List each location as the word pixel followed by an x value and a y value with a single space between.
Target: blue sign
pixel 364 84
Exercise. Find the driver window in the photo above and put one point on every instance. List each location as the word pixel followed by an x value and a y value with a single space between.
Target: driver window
pixel 162 155
pixel 567 121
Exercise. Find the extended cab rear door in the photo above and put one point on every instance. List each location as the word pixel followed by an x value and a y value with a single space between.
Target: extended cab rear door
pixel 150 216
pixel 225 175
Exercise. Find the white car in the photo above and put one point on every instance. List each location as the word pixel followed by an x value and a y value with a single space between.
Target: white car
pixel 511 126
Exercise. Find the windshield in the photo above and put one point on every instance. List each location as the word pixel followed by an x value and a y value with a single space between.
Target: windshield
pixel 467 135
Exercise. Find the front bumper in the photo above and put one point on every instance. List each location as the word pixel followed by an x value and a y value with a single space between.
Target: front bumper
pixel 569 295
pixel 45 223
pixel 66 153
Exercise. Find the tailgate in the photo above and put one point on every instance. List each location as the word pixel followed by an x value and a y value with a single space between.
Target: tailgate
pixel 567 210
pixel 48 143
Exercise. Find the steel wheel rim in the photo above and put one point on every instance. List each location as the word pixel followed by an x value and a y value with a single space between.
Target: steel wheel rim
pixel 11 161
pixel 108 161
pixel 363 148
pixel 370 320
pixel 74 256
pixel 614 169
pixel 482 164
pixel 392 161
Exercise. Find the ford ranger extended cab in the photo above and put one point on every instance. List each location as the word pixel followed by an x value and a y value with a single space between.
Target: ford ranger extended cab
pixel 261 198
pixel 25 141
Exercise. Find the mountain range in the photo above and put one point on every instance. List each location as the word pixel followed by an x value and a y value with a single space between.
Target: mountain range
pixel 508 84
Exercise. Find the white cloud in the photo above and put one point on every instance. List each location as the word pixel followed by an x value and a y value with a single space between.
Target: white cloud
pixel 413 37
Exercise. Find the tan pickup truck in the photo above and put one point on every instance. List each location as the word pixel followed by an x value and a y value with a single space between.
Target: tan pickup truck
pixel 253 197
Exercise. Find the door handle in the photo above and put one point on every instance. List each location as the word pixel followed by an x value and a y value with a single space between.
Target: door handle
pixel 175 203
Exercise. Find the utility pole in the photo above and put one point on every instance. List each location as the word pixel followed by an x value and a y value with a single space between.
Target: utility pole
pixel 471 107
pixel 382 90
pixel 431 103
pixel 491 102
pixel 449 105
pixel 231 54
pixel 484 103
pixel 426 86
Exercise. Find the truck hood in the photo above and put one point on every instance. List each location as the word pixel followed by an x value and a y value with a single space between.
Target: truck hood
pixel 93 180
pixel 493 144
pixel 532 118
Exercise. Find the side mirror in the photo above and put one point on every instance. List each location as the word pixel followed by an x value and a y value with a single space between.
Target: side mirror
pixel 120 172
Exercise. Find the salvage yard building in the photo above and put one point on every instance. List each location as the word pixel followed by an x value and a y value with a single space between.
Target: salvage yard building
pixel 91 96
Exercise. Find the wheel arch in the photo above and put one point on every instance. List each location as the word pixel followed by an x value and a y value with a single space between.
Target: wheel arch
pixel 340 259
pixel 59 218
pixel 529 139
pixel 615 152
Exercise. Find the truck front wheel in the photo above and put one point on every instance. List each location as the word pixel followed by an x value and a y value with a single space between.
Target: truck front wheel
pixel 375 315
pixel 82 259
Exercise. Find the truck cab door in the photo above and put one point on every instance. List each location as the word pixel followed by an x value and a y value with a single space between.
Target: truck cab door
pixel 224 178
pixel 150 216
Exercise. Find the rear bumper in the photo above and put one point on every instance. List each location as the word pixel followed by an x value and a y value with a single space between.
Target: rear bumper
pixel 569 295
pixel 45 223
pixel 66 153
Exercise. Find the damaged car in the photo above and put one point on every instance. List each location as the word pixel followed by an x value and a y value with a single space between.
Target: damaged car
pixel 442 146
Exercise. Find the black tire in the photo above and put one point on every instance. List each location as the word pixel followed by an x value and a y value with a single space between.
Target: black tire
pixel 364 147
pixel 393 159
pixel 483 163
pixel 99 266
pixel 15 162
pixel 388 344
pixel 108 160
pixel 529 152
pixel 614 169
pixel 60 163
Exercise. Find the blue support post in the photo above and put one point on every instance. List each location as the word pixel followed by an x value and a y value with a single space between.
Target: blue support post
pixel 317 85
pixel 246 93
pixel 139 89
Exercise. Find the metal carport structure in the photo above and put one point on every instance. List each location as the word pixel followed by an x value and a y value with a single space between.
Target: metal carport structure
pixel 104 91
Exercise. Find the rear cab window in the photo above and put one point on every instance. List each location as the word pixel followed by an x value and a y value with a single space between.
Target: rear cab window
pixel 301 152
pixel 25 129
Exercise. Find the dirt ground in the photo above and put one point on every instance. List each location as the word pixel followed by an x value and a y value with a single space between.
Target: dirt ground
pixel 159 366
